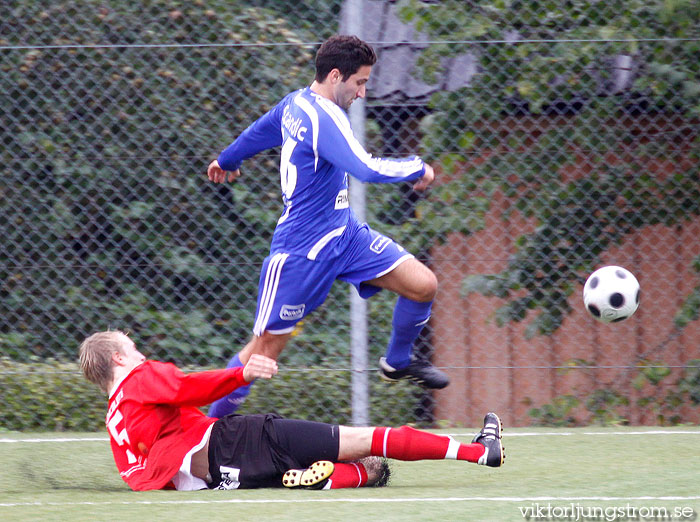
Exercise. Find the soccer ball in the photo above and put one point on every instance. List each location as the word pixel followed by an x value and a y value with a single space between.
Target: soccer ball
pixel 611 294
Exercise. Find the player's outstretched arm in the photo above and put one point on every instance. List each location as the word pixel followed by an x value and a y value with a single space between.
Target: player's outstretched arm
pixel 338 145
pixel 218 175
pixel 259 366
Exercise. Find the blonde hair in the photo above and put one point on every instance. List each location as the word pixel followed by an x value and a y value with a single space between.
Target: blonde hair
pixel 96 357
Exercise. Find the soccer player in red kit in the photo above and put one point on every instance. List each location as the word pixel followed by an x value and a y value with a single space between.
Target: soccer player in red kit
pixel 160 439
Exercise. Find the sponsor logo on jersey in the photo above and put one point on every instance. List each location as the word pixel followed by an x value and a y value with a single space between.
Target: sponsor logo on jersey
pixel 342 200
pixel 379 244
pixel 292 312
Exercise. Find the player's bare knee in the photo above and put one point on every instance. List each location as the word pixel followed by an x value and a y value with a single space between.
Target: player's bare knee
pixel 428 288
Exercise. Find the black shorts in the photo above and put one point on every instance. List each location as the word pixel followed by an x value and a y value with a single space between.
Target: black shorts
pixel 254 451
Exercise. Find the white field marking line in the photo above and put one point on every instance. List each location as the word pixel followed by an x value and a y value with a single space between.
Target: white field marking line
pixel 357 500
pixel 507 435
pixel 85 439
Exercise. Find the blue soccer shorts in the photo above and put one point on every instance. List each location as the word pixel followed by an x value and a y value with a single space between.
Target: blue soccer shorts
pixel 291 285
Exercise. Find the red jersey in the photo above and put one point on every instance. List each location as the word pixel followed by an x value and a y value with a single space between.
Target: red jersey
pixel 153 420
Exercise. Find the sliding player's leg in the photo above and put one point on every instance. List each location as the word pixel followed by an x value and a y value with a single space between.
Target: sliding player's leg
pixel 360 448
pixel 313 447
pixel 406 443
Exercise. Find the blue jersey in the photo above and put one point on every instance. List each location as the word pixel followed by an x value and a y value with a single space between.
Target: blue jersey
pixel 319 150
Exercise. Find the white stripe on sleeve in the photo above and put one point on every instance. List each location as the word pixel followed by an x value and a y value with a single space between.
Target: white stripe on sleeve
pixel 385 167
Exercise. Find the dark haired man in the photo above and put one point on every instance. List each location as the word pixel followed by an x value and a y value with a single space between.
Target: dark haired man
pixel 318 238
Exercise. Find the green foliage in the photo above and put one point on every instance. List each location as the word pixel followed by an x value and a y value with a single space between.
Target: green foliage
pixel 659 397
pixel 690 381
pixel 549 82
pixel 603 405
pixel 48 396
pixel 54 396
pixel 107 216
pixel 690 309
pixel 560 412
pixel 579 221
pixel 327 397
pixel 111 222
pixel 655 397
pixel 531 68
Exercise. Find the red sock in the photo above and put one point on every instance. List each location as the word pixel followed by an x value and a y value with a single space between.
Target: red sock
pixel 406 443
pixel 351 475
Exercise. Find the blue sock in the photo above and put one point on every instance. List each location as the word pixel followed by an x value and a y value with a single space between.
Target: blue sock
pixel 409 319
pixel 233 400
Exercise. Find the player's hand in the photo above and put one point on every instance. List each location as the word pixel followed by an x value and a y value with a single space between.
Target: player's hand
pixel 259 366
pixel 218 175
pixel 426 180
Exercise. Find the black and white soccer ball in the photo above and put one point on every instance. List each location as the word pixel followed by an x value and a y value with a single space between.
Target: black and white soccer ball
pixel 611 294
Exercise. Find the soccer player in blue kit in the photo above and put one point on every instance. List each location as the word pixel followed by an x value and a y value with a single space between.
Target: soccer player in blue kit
pixel 318 238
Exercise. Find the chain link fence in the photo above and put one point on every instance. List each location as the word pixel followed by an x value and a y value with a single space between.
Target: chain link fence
pixel 565 136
